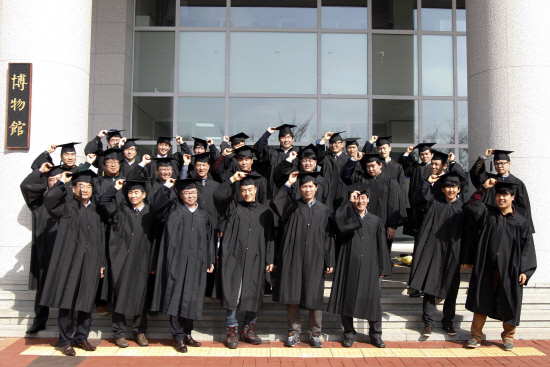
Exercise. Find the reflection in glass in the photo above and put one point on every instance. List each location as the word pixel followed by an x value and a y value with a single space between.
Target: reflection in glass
pixel 398 118
pixel 461 66
pixel 200 13
pixel 155 13
pixel 344 14
pixel 462 122
pixel 154 62
pixel 394 64
pixel 461 15
pixel 145 149
pixel 254 115
pixel 202 62
pixel 394 14
pixel 437 65
pixel 438 121
pixel 349 115
pixel 270 14
pixel 344 63
pixel 201 117
pixel 152 117
pixel 463 161
pixel 270 62
pixel 437 15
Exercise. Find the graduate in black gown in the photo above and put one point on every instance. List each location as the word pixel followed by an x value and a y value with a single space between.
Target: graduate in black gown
pixel 164 145
pixel 130 159
pixel 226 165
pixel 95 146
pixel 246 254
pixel 78 258
pixel 503 261
pixel 383 147
pixel 130 244
pixel 363 261
pixel 201 146
pixel 332 164
pixel 305 253
pixel 44 230
pixel 436 261
pixel 187 253
pixel 68 157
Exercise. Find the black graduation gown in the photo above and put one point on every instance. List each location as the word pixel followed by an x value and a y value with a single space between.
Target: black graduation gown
pixel 176 165
pixel 214 155
pixel 283 171
pixel 78 253
pixel 306 250
pixel 262 190
pixel 506 244
pixel 436 260
pixel 126 168
pixel 479 175
pixel 248 246
pixel 392 168
pixel 95 146
pixel 186 251
pixel 44 227
pixel 417 173
pixel 130 242
pixel 362 258
pixel 332 168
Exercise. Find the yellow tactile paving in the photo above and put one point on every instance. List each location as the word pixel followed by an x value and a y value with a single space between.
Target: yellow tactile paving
pixel 40 350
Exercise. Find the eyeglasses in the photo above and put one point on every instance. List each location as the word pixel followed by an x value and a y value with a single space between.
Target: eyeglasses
pixel 501 164
pixel 335 143
pixel 112 163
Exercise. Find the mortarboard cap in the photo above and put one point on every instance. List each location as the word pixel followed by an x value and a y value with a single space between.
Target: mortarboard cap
pixel 112 153
pixel 499 155
pixel 164 139
pixel 130 143
pixel 305 177
pixel 352 141
pixel 199 141
pixel 84 176
pixel 238 138
pixel 136 185
pixel 164 162
pixel 383 140
pixel 422 147
pixel 371 157
pixel 504 187
pixel 245 151
pixel 113 132
pixel 453 178
pixel 68 147
pixel 187 183
pixel 439 156
pixel 285 129
pixel 309 152
pixel 203 157
pixel 56 170
pixel 250 178
pixel 336 137
pixel 362 187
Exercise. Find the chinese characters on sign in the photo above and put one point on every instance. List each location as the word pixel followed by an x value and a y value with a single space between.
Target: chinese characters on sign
pixel 19 104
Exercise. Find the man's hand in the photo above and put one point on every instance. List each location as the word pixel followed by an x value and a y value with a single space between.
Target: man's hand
pixel 102 133
pixel 390 233
pixel 122 142
pixel 327 136
pixel 179 140
pixel 237 176
pixel 373 139
pixel 220 234
pixel 119 184
pixel 410 149
pixel 292 178
pixel 269 268
pixel 354 196
pixel 271 129
pixel 226 139
pixel 102 272
pixel 522 279
pixel 451 157
pixel 46 167
pixel 488 153
pixel 51 148
pixel 66 176
pixel 359 156
pixel 186 159
pixel 209 142
pixel 330 270
pixel 210 270
pixel 463 267
pixel 90 158
pixel 146 159
pixel 152 272
pixel 170 182
pixel 227 151
pixel 490 183
pixel 292 155
pixel 433 179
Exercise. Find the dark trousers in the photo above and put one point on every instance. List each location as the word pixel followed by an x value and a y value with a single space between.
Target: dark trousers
pixel 449 306
pixel 139 325
pixel 375 328
pixel 294 320
pixel 65 323
pixel 41 313
pixel 180 327
pixel 98 301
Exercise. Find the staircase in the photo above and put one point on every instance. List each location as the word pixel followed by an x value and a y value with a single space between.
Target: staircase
pixel 402 315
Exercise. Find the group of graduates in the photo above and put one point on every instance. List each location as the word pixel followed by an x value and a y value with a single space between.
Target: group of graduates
pixel 240 222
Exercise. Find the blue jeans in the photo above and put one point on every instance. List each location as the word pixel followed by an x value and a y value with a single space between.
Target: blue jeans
pixel 231 315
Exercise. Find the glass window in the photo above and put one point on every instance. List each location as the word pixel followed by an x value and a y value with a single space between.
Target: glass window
pixel 254 115
pixel 394 14
pixel 462 122
pixel 154 62
pixel 463 161
pixel 438 121
pixel 437 65
pixel 349 115
pixel 146 149
pixel 461 66
pixel 395 117
pixel 437 15
pixel 461 15
pixel 274 14
pixel 201 118
pixel 344 14
pixel 155 13
pixel 344 63
pixel 152 117
pixel 270 62
pixel 202 62
pixel 394 64
pixel 201 13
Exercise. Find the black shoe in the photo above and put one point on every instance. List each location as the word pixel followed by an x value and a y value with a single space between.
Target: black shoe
pixel 378 343
pixel 416 294
pixel 450 330
pixel 249 335
pixel 427 332
pixel 348 341
pixel 35 328
pixel 232 339
pixel 181 347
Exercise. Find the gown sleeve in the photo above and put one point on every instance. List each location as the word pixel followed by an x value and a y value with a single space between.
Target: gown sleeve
pixel 346 220
pixel 33 188
pixel 283 204
pixel 55 200
pixel 163 203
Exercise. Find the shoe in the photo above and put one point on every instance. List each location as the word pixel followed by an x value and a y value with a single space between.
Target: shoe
pixel 508 344
pixel 86 346
pixel 68 350
pixel 315 340
pixel 121 343
pixel 188 340
pixel 102 310
pixel 232 339
pixel 292 340
pixel 472 343
pixel 248 335
pixel 181 347
pixel 141 340
pixel 35 328
pixel 348 341
pixel 378 343
pixel 427 332
pixel 449 329
pixel 416 294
